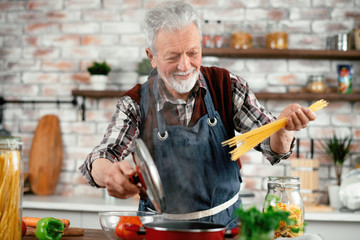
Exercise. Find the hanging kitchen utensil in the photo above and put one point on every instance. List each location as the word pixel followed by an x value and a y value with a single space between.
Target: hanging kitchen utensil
pixel 45 159
pixel 149 175
pixel 3 131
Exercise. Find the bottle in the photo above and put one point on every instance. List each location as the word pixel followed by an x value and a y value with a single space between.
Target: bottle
pixel 11 187
pixel 218 36
pixel 284 193
pixel 207 40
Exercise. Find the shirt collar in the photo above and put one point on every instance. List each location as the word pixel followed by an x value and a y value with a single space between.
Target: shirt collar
pixel 165 95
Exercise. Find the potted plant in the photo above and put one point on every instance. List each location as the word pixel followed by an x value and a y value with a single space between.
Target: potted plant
pixel 338 149
pixel 99 74
pixel 143 69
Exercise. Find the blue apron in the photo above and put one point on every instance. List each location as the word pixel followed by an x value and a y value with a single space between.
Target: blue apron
pixel 195 169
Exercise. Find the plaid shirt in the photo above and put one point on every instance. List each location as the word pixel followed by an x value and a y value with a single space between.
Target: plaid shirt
pixel 117 143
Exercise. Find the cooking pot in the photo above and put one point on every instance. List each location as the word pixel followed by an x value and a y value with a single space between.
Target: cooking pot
pixel 189 230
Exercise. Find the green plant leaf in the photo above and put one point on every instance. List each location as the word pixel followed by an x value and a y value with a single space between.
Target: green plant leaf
pixel 99 68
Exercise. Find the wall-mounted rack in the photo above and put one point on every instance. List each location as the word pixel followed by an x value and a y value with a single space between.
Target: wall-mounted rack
pixel 4 101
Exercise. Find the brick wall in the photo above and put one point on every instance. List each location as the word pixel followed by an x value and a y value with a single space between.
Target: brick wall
pixel 46 46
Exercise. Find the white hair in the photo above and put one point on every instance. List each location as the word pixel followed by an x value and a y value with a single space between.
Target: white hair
pixel 171 16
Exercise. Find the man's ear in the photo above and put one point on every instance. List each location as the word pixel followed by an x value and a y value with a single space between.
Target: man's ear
pixel 151 57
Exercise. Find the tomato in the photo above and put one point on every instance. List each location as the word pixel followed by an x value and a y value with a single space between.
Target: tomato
pixel 127 228
pixel 23 229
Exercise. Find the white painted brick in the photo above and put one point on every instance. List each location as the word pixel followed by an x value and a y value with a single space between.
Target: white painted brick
pixel 134 39
pixel 40 77
pixel 287 79
pixel 82 4
pixel 120 52
pixel 232 14
pixel 309 66
pixel 41 53
pixel 115 4
pixel 42 28
pixel 309 13
pixel 56 40
pixel 10 53
pixel 80 53
pixel 308 41
pixel 44 5
pixel 100 15
pixel 81 28
pixel 120 27
pixel 257 81
pixel 331 26
pixel 23 65
pixel 332 3
pixel 133 15
pixel 266 66
pixel 289 3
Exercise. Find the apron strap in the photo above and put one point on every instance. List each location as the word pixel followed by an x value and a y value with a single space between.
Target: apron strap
pixel 204 213
pixel 212 121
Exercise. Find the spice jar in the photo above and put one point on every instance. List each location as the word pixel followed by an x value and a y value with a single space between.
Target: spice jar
pixel 277 38
pixel 316 84
pixel 284 193
pixel 11 185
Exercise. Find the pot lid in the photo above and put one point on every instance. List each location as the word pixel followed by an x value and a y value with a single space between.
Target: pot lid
pixel 149 175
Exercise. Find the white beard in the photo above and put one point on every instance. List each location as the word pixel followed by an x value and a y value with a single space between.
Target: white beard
pixel 181 86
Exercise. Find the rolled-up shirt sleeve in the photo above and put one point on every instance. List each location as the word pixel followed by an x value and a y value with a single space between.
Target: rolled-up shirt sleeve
pixel 250 114
pixel 117 142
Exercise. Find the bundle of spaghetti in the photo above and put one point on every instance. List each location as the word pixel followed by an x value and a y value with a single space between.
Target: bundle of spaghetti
pixel 254 137
pixel 10 190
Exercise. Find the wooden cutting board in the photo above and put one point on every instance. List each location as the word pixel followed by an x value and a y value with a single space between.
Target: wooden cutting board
pixel 45 159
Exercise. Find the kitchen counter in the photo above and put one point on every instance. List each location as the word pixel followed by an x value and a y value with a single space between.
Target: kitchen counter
pixel 89 234
pixel 83 212
pixel 79 203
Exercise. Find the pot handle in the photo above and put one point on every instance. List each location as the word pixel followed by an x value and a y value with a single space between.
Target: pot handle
pixel 231 233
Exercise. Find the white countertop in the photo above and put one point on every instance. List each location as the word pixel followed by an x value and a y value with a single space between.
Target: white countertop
pixel 92 204
pixel 78 203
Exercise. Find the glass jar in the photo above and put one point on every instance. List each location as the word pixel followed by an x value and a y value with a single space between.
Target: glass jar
pixel 277 38
pixel 284 193
pixel 11 187
pixel 316 84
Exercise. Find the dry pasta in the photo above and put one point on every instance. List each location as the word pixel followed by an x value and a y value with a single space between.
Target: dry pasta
pixel 254 137
pixel 296 213
pixel 10 190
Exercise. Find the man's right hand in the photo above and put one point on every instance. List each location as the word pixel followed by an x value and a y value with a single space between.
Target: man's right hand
pixel 114 177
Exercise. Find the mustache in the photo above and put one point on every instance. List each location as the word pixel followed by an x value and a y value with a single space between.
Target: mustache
pixel 184 73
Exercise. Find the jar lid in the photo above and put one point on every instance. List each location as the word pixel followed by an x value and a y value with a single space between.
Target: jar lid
pixel 284 181
pixel 316 77
pixel 10 142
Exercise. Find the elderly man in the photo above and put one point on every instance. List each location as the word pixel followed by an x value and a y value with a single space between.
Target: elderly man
pixel 183 113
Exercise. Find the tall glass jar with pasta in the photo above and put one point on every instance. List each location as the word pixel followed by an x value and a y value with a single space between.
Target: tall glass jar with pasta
pixel 284 193
pixel 11 184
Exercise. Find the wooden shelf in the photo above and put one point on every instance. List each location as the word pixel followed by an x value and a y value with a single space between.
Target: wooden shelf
pixel 282 54
pixel 97 94
pixel 329 96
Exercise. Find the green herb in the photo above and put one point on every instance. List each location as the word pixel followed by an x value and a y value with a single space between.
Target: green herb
pixel 144 67
pixel 99 68
pixel 338 149
pixel 257 225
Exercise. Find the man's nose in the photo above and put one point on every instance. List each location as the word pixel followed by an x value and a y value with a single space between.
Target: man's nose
pixel 184 63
